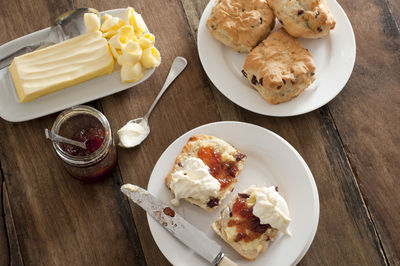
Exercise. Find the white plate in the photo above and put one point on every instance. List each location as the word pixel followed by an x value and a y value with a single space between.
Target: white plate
pixel 270 161
pixel 334 57
pixel 12 110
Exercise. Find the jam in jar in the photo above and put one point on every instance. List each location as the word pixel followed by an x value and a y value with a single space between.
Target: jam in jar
pixel 88 125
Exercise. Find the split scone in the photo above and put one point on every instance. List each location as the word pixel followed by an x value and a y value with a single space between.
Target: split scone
pixel 304 18
pixel 241 24
pixel 205 171
pixel 280 68
pixel 252 219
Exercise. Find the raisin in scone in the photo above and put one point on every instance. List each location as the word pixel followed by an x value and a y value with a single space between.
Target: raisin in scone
pixel 241 24
pixel 280 68
pixel 205 171
pixel 252 219
pixel 304 18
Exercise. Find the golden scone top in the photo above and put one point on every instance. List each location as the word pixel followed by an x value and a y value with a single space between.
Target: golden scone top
pixel 280 68
pixel 241 24
pixel 227 152
pixel 278 59
pixel 304 18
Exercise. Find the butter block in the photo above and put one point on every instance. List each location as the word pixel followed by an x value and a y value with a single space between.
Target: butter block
pixel 60 66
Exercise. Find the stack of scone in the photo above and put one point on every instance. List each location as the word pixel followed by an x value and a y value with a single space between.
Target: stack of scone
pixel 278 66
pixel 205 172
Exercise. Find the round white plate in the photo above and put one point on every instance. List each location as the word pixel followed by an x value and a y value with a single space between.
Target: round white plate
pixel 270 161
pixel 334 57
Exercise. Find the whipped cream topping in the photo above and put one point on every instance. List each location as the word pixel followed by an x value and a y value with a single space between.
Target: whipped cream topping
pixel 271 208
pixel 193 180
pixel 132 134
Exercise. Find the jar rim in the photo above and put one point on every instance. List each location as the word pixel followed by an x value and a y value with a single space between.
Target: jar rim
pixel 90 159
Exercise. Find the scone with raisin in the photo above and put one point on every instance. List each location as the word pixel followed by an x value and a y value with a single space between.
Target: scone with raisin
pixel 304 18
pixel 252 219
pixel 279 68
pixel 205 171
pixel 241 24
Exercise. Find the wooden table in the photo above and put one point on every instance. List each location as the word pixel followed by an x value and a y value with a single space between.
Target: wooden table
pixel 351 146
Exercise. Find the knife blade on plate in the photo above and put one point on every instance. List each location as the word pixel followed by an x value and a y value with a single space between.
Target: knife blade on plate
pixel 177 226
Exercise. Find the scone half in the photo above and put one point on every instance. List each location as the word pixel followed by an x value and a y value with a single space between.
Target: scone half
pixel 205 172
pixel 304 18
pixel 279 68
pixel 241 24
pixel 248 245
pixel 243 230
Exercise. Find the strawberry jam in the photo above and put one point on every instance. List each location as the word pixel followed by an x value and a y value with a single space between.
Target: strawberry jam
pixel 248 226
pixel 93 136
pixel 88 125
pixel 225 173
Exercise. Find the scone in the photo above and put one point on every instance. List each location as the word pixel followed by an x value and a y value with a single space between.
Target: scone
pixel 252 219
pixel 304 18
pixel 241 24
pixel 279 67
pixel 205 171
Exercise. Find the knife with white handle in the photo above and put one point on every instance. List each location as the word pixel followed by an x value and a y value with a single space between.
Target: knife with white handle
pixel 177 226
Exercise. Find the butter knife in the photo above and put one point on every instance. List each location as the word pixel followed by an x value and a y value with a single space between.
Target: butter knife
pixel 177 226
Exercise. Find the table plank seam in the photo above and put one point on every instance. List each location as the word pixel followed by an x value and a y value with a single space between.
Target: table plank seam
pixel 378 237
pixel 15 255
pixel 215 92
pixel 355 176
pixel 119 183
pixel 70 4
pixel 127 205
pixel 391 14
pixel 3 215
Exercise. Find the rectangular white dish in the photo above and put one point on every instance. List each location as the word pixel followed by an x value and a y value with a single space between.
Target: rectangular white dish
pixel 14 111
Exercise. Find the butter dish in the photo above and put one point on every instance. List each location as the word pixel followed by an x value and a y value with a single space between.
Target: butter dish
pixel 11 109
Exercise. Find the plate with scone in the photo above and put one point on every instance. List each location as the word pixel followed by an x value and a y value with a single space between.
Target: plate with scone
pixel 244 187
pixel 277 58
pixel 116 53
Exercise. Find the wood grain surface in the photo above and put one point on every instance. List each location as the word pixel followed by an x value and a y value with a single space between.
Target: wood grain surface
pixel 4 248
pixel 351 146
pixel 372 99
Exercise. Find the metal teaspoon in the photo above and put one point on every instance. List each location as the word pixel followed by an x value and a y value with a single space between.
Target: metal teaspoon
pixel 130 138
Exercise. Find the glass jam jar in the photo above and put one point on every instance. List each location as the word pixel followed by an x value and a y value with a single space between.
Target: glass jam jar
pixel 84 123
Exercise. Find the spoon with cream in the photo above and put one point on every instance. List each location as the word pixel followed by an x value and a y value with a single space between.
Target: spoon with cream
pixel 136 130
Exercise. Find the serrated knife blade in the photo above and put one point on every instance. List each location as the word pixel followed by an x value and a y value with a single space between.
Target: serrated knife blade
pixel 177 225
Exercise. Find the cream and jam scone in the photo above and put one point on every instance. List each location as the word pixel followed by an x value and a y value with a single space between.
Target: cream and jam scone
pixel 252 219
pixel 280 68
pixel 241 24
pixel 205 171
pixel 304 18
